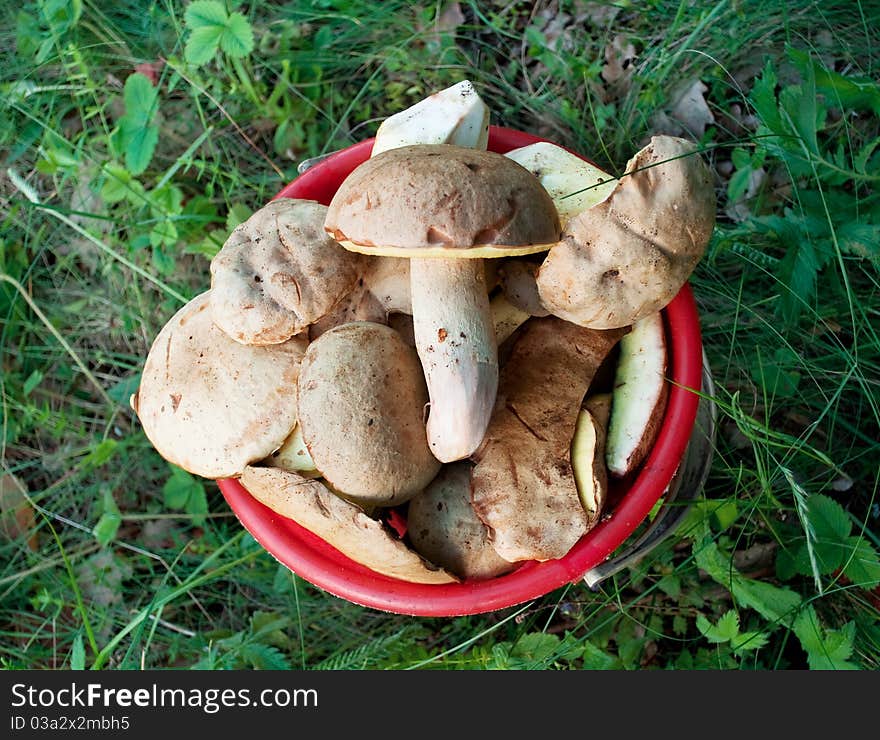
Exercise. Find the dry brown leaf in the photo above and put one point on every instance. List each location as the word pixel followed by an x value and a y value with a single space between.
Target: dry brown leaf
pixel 17 521
pixel 620 56
pixel 688 113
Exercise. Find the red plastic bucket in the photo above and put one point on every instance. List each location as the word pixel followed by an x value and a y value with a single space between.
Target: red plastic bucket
pixel 322 565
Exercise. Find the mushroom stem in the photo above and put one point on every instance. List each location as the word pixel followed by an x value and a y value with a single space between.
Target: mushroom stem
pixel 455 340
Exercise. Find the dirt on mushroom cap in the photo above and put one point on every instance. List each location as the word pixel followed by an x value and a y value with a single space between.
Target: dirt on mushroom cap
pixel 361 397
pixel 210 404
pixel 439 199
pixel 278 272
pixel 523 484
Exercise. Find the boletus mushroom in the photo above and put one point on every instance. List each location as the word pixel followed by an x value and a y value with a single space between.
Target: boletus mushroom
pixel 340 523
pixel 629 256
pixel 443 526
pixel 279 272
pixel 447 207
pixel 361 398
pixel 523 485
pixel 212 405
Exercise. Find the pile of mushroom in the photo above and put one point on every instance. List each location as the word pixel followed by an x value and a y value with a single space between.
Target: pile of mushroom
pixel 468 340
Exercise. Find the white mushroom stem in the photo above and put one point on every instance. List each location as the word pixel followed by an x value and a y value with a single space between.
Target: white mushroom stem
pixel 455 340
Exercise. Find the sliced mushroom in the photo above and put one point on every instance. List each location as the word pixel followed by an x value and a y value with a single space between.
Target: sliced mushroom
pixel 210 404
pixel 341 524
pixel 629 256
pixel 443 527
pixel 639 398
pixel 294 456
pixel 279 272
pixel 361 397
pixel 456 115
pixel 574 184
pixel 524 488
pixel 436 204
pixel 588 454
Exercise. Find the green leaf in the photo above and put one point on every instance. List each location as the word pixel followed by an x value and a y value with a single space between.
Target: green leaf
pixel 211 28
pixel 137 131
pixel 745 641
pixel 806 115
pixel 724 631
pixel 670 585
pixel 725 514
pixel 798 272
pixel 826 650
pixel 738 184
pixel 100 453
pixel 178 488
pixel 204 14
pixel 862 564
pixel 108 525
pixel 197 504
pixel 596 659
pixel 202 45
pixel 166 201
pixel 535 647
pixel 828 518
pixel 264 657
pixel 844 92
pixel 163 234
pixel 772 602
pixel 238 37
pixel 33 380
pixel 78 654
pixel 120 185
pixel 60 15
pixel 763 98
pixel 238 214
pixel 122 390
pixel 861 240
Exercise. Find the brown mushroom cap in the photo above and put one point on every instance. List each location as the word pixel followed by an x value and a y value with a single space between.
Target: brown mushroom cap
pixel 628 257
pixel 210 404
pixel 278 272
pixel 361 398
pixel 340 523
pixel 442 200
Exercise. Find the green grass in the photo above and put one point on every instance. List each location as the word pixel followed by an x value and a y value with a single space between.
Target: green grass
pixel 103 238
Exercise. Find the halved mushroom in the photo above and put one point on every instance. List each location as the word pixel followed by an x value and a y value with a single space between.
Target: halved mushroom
pixel 212 405
pixel 438 204
pixel 294 456
pixel 341 524
pixel 361 397
pixel 629 256
pixel 443 527
pixel 639 397
pixel 455 115
pixel 524 488
pixel 574 184
pixel 278 272
pixel 588 454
